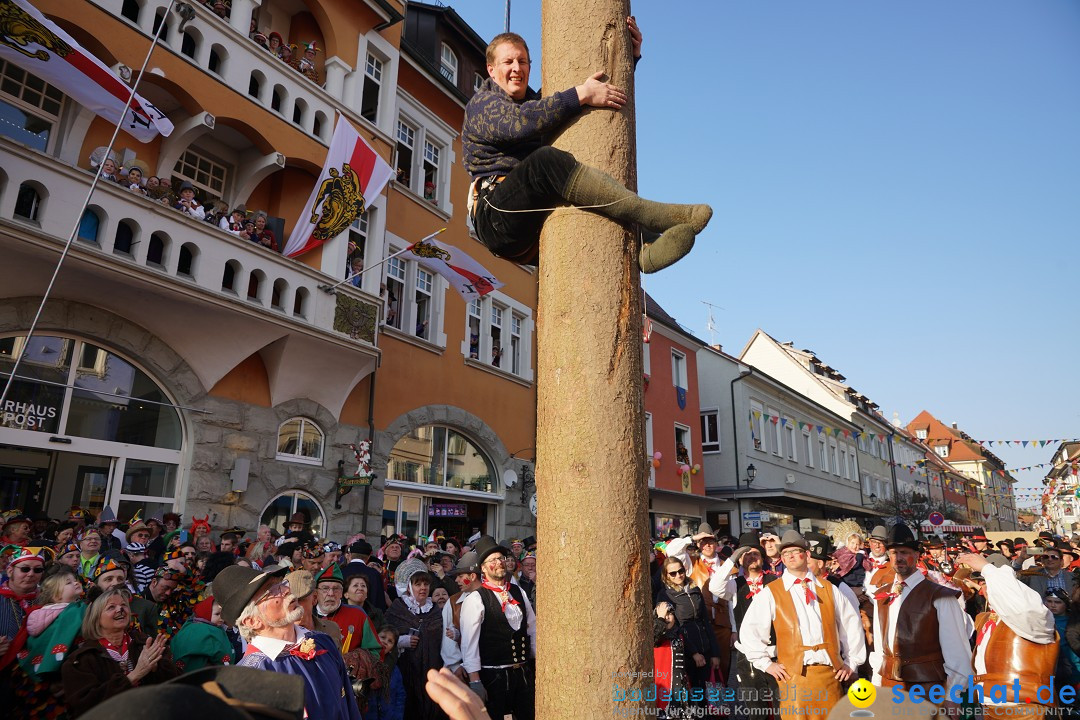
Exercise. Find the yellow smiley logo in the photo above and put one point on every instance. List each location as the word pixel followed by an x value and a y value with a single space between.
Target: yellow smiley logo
pixel 861 693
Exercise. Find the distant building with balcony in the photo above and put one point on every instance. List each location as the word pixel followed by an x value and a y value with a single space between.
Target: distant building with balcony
pixel 996 506
pixel 1062 505
pixel 177 367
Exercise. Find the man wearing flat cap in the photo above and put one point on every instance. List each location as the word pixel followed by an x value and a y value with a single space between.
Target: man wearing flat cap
pixel 819 639
pixel 1015 640
pixel 920 628
pixel 264 609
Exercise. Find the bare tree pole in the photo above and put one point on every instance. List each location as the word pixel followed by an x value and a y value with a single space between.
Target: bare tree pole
pixel 594 627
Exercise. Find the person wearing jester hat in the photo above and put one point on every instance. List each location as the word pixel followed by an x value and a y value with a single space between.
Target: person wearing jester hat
pixel 305 64
pixel 17 598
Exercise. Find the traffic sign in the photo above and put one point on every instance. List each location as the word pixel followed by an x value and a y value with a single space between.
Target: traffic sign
pixel 751 521
pixel 936 518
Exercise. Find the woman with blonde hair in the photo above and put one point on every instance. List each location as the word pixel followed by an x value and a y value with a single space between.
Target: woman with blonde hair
pixel 701 650
pixel 113 657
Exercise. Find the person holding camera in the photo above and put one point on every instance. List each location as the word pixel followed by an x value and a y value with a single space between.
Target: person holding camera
pixel 1051 574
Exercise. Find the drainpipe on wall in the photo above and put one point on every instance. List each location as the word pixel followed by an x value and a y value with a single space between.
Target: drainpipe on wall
pixel 735 441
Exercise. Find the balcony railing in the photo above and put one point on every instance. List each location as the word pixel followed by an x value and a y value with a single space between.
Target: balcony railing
pixel 222 48
pixel 134 230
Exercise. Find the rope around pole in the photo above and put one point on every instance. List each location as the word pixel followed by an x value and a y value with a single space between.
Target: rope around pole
pixel 79 215
pixel 552 209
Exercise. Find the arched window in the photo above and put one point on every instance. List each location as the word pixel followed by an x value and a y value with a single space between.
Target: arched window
pixel 158 19
pixel 255 84
pixel 284 506
pixel 255 283
pixel 185 264
pixel 124 241
pixel 218 56
pixel 281 286
pixel 299 111
pixel 188 45
pixel 300 302
pixel 448 64
pixel 28 203
pixel 228 277
pixel 441 456
pixel 89 226
pixel 131 10
pixel 300 440
pixel 277 98
pixel 155 253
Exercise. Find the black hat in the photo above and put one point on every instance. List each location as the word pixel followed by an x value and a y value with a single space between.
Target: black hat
pixel 169 702
pixel 1019 542
pixel 529 543
pixel 978 534
pixel 793 538
pixel 485 546
pixel 751 539
pixel 468 563
pixel 251 689
pixel 820 545
pixel 236 585
pixel 934 541
pixel 360 547
pixel 880 532
pixel 899 536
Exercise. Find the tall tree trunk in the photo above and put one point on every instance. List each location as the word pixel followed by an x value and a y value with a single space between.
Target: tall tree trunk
pixel 594 627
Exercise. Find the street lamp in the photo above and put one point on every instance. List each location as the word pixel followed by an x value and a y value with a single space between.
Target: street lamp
pixel 751 473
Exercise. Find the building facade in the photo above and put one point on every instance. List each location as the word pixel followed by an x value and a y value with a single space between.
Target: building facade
pixel 179 367
pixel 1061 510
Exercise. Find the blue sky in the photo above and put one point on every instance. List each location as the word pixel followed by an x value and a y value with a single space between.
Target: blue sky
pixel 896 186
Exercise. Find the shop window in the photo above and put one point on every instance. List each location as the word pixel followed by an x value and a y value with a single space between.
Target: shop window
pixel 300 440
pixel 278 511
pixel 441 456
pixel 30 106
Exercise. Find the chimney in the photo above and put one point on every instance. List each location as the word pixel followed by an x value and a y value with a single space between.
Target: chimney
pixel 954 427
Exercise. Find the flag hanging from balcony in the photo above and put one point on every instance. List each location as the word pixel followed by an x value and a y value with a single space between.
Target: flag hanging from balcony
pixel 464 274
pixel 352 174
pixel 36 44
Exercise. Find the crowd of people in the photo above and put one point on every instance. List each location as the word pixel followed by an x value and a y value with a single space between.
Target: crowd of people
pixel 248 226
pixel 793 621
pixel 92 608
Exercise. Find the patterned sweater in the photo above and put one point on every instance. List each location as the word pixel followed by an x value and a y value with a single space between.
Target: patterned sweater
pixel 500 132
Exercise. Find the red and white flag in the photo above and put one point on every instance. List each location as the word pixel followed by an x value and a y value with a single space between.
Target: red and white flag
pixel 36 44
pixel 352 175
pixel 464 274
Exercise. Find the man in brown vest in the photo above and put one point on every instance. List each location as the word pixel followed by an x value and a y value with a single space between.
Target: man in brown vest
pixel 467 575
pixel 920 629
pixel 819 640
pixel 707 564
pixel 1014 641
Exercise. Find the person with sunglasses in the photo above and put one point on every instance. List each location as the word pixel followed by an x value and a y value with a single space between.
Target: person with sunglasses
pixel 701 650
pixel 17 595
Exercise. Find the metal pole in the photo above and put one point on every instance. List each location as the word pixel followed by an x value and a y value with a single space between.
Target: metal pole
pixel 506 23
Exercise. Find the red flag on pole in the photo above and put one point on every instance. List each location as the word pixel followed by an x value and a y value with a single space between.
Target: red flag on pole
pixel 352 175
pixel 36 44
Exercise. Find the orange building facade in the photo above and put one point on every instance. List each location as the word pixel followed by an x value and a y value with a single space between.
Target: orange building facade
pixel 178 367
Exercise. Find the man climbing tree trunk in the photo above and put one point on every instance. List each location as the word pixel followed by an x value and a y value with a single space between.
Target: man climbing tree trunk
pixel 594 626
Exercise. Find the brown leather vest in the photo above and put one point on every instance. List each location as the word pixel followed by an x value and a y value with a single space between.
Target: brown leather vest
pixel 1009 657
pixel 916 656
pixel 455 610
pixel 789 642
pixel 718 609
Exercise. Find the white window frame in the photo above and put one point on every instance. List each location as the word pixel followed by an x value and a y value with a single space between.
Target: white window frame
pixel 428 128
pixel 808 443
pixel 478 80
pixel 192 154
pixel 296 457
pixel 646 359
pixel 792 449
pixel 448 63
pixel 689 443
pixel 921 434
pixel 678 369
pixel 424 298
pixel 758 425
pixel 408 310
pixel 516 323
pixel 844 461
pixel 834 457
pixel 707 442
pixel 374 70
pixel 35 109
pixel 823 450
pixel 777 435
pixel 478 314
pixel 942 451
